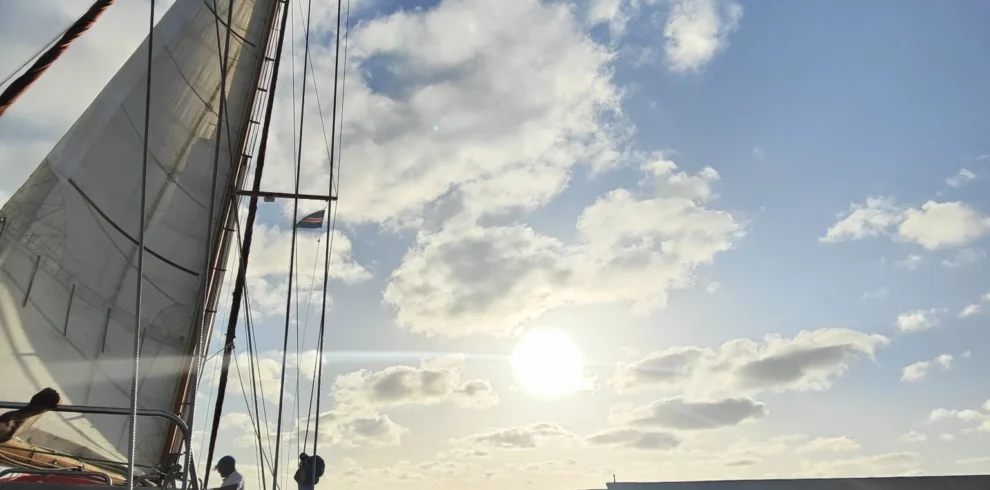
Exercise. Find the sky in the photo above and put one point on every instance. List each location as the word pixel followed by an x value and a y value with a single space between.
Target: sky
pixel 654 239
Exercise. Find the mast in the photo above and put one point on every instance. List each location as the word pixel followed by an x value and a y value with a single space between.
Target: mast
pixel 235 305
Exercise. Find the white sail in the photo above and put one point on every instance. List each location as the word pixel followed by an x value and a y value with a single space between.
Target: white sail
pixel 68 240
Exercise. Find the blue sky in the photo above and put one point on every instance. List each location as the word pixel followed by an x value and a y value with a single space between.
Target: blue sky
pixel 810 137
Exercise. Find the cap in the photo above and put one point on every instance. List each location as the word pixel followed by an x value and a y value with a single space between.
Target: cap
pixel 225 461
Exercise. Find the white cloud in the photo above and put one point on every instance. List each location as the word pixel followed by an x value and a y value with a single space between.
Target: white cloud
pixel 631 438
pixel 678 414
pixel 829 445
pixel 434 381
pixel 917 371
pixel 979 416
pixel 871 219
pixel 912 437
pixel 946 437
pixel 933 226
pixel 615 13
pixel 876 294
pixel 467 279
pixel 940 225
pixel 267 372
pixel 240 423
pixel 696 30
pixel 359 429
pixel 965 256
pixel 961 178
pixel 917 321
pixel 970 310
pixel 485 106
pixel 809 361
pixel 268 268
pixel 520 437
pixel 911 262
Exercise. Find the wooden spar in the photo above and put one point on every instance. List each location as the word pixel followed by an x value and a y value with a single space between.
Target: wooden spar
pixel 20 454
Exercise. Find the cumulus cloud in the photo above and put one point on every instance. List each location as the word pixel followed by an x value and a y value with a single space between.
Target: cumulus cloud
pixel 961 178
pixel 935 225
pixel 240 423
pixel 916 372
pixel 678 414
pixel 434 381
pixel 941 225
pixel 980 416
pixel 268 268
pixel 970 310
pixel 864 220
pixel 912 437
pixel 267 375
pixel 811 360
pixel 631 438
pixel 434 112
pixel 359 429
pixel 917 321
pixel 974 308
pixel 520 437
pixel 911 262
pixel 467 279
pixel 697 30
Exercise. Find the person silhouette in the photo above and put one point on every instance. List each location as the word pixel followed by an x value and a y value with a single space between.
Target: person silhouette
pixel 232 479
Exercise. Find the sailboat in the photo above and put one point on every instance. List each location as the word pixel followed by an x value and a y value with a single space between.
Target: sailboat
pixel 188 113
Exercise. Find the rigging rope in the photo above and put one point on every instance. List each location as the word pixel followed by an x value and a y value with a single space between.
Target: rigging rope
pixel 292 252
pixel 326 264
pixel 335 190
pixel 21 84
pixel 132 436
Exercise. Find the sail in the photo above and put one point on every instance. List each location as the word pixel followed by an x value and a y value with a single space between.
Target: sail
pixel 68 235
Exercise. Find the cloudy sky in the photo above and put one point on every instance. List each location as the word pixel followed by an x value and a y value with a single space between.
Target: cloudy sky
pixel 661 239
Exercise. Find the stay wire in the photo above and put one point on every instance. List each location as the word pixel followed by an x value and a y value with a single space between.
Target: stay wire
pixel 292 254
pixel 336 192
pixel 139 290
pixel 326 263
pixel 34 56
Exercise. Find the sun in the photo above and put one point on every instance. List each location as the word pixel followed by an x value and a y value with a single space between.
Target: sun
pixel 547 363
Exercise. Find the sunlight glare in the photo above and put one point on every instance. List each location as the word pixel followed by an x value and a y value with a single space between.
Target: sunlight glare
pixel 547 363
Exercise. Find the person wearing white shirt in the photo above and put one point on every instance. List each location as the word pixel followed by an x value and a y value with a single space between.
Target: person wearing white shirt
pixel 232 480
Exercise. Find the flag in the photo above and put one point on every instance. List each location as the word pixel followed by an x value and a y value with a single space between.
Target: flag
pixel 314 220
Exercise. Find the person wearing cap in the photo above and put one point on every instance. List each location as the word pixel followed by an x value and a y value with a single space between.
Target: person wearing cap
pixel 310 470
pixel 232 480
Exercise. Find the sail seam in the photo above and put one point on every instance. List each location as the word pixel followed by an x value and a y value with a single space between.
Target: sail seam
pixel 124 233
